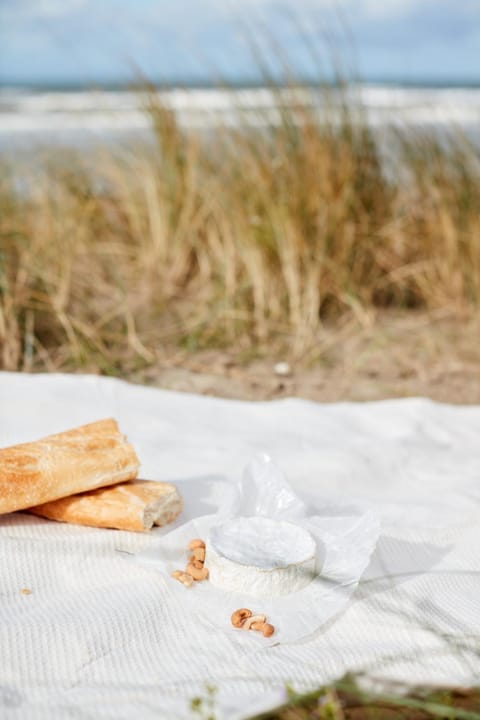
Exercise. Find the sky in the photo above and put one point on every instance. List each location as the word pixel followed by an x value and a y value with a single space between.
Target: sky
pixel 107 41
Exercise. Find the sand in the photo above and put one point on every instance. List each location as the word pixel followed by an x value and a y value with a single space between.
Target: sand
pixel 389 355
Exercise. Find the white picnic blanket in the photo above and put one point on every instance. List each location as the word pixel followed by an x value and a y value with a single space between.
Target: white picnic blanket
pixel 102 637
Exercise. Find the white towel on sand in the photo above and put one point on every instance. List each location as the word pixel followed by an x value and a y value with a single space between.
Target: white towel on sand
pixel 102 638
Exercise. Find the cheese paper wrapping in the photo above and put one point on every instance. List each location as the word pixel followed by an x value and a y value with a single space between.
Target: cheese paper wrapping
pixel 345 537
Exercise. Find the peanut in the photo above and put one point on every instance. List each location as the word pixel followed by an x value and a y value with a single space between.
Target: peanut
pixel 257 626
pixel 196 564
pixel 197 543
pixel 197 573
pixel 199 554
pixel 253 619
pixel 268 630
pixel 185 578
pixel 239 617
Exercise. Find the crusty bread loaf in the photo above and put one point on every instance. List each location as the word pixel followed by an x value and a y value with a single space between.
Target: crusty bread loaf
pixel 136 505
pixel 85 458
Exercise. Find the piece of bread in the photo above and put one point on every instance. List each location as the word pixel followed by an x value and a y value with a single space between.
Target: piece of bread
pixel 136 505
pixel 85 458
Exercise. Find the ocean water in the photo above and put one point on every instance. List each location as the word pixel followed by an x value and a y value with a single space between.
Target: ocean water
pixel 30 118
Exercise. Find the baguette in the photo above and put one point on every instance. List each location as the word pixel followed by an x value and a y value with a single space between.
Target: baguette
pixel 136 506
pixel 85 458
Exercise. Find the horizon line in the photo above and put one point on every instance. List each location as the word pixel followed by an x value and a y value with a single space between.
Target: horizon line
pixel 241 83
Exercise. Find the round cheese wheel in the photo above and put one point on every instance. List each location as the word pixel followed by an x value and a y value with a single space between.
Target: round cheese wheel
pixel 260 556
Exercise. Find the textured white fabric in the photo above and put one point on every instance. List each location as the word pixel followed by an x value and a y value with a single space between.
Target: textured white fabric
pixel 99 637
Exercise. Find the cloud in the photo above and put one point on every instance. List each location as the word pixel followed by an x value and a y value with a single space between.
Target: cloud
pixel 387 9
pixel 33 9
pixel 55 8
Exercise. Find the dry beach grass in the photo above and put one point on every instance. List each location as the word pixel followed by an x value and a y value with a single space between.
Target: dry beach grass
pixel 296 240
pixel 346 700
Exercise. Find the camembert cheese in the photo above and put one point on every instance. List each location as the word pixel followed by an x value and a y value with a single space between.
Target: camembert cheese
pixel 260 556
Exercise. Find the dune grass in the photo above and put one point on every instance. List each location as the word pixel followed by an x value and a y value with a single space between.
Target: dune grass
pixel 243 237
pixel 346 700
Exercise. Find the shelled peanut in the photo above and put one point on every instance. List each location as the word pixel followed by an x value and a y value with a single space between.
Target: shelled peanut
pixel 246 620
pixel 183 577
pixel 195 569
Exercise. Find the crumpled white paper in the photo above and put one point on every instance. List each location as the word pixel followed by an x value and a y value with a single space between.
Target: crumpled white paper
pixel 345 538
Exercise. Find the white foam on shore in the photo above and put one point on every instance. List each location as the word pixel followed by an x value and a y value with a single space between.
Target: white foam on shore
pixel 87 112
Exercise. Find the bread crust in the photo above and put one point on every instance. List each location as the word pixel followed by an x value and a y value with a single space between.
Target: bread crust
pixel 85 458
pixel 136 506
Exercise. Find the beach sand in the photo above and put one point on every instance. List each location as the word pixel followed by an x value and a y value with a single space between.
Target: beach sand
pixel 386 356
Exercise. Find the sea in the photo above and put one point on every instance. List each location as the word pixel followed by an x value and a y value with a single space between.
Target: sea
pixel 33 117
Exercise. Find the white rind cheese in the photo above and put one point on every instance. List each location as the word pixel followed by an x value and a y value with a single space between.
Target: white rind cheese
pixel 260 557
